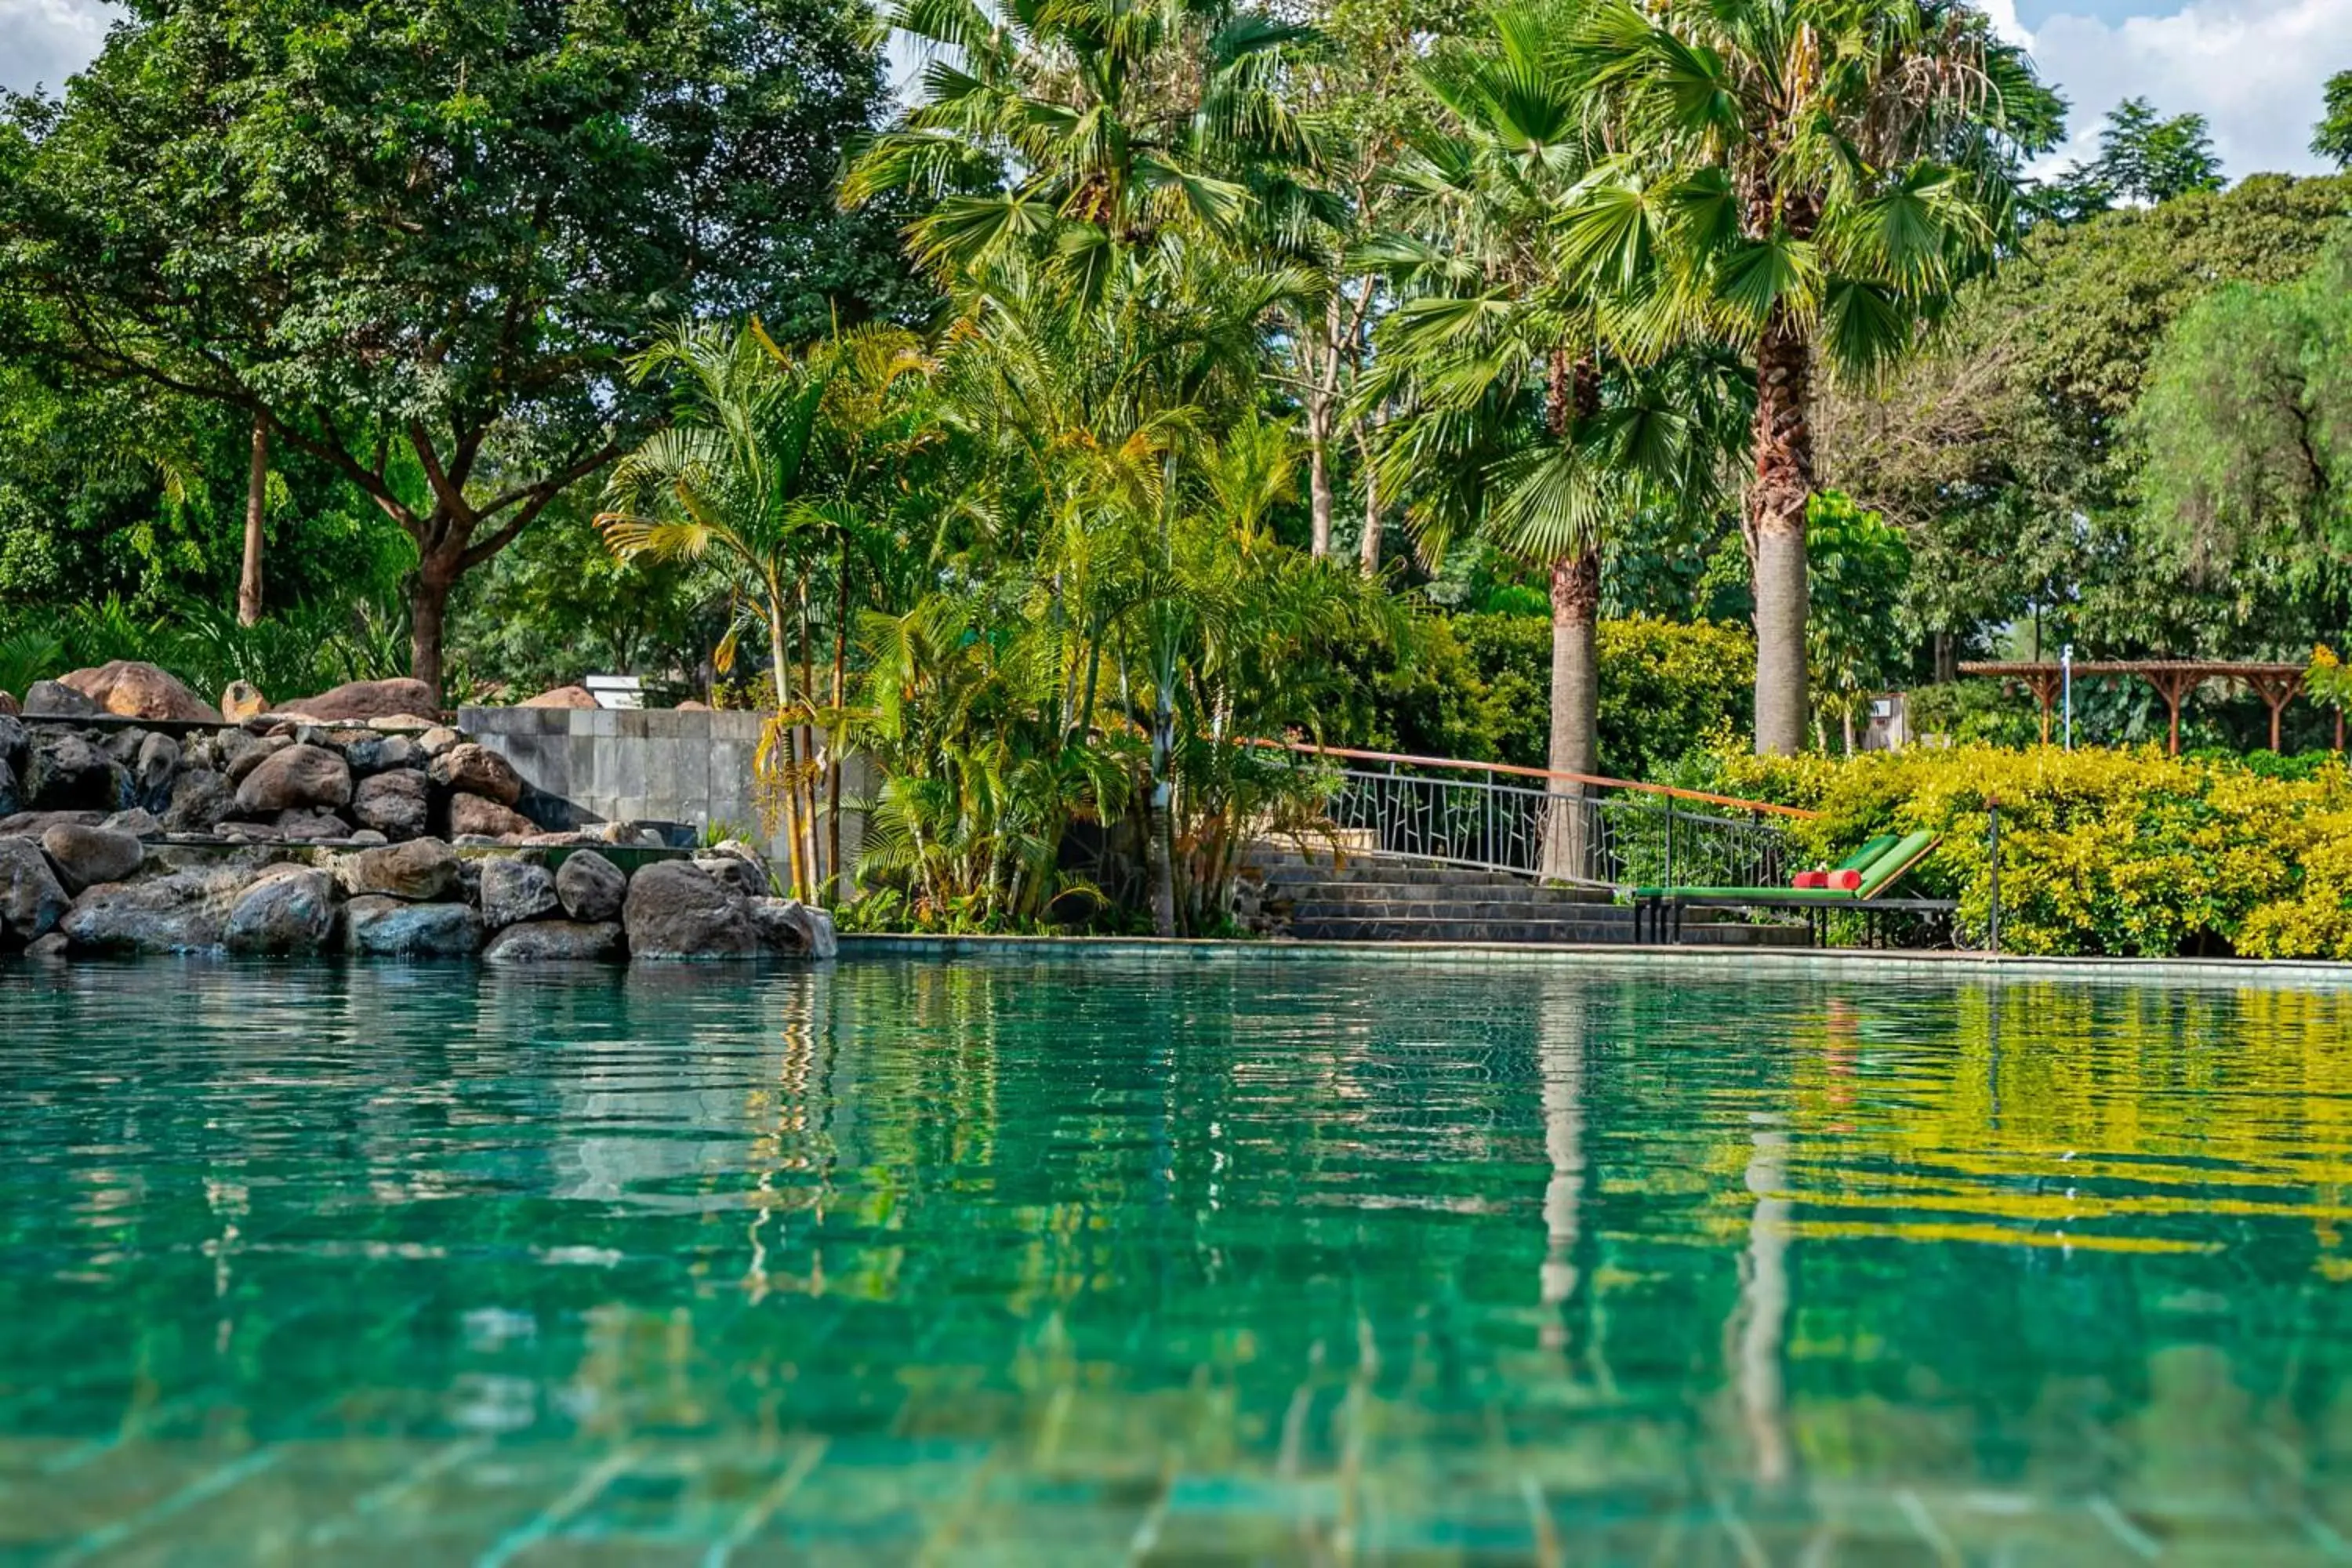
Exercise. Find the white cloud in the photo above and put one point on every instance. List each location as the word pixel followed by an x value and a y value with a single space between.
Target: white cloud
pixel 2254 68
pixel 44 41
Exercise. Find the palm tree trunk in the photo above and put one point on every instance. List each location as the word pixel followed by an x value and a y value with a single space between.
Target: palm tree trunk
pixel 780 669
pixel 1575 708
pixel 1776 515
pixel 1367 551
pixel 833 892
pixel 1318 475
pixel 257 498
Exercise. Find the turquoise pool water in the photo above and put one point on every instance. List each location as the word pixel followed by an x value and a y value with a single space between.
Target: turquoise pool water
pixel 1231 1262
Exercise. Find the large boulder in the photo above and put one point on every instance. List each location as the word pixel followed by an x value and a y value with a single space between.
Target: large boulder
pixel 478 770
pixel 675 910
pixel 32 899
pixel 297 777
pixel 362 700
pixel 12 799
pixel 87 856
pixel 421 871
pixel 590 887
pixel 471 817
pixel 395 804
pixel 514 891
pixel 14 740
pixel 574 697
pixel 379 927
pixel 287 909
pixel 242 700
pixel 554 942
pixel 55 699
pixel 200 799
pixel 793 928
pixel 65 772
pixel 135 690
pixel 186 911
pixel 370 752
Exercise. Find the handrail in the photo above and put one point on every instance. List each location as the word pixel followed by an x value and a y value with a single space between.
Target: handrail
pixel 1672 791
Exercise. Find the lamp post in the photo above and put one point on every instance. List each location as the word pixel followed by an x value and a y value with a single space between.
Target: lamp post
pixel 2066 678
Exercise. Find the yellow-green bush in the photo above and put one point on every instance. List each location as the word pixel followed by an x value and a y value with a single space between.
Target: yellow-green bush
pixel 2126 852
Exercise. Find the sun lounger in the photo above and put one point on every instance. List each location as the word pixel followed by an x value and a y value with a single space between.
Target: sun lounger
pixel 1881 865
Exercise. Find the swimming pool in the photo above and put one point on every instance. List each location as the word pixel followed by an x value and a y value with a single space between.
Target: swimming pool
pixel 1180 1262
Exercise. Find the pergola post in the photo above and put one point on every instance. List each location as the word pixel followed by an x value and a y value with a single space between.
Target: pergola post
pixel 2277 689
pixel 2174 686
pixel 2045 685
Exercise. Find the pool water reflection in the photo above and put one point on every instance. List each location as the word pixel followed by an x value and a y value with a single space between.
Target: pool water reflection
pixel 1240 1261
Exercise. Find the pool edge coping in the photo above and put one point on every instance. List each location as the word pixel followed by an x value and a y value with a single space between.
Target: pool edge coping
pixel 1753 960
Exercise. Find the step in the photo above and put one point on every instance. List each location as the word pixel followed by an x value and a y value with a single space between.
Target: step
pixel 1388 874
pixel 1322 905
pixel 1519 893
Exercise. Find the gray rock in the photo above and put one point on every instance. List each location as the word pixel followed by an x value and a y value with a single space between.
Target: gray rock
pixel 745 878
pixel 200 799
pixel 296 777
pixel 88 857
pixel 66 773
pixel 590 887
pixel 11 801
pixel 141 825
pixel 421 871
pixel 253 833
pixel 33 824
pixel 187 911
pixel 287 910
pixel 369 752
pixel 368 835
pixel 793 928
pixel 13 741
pixel 389 928
pixel 48 949
pixel 675 910
pixel 157 764
pixel 32 899
pixel 474 816
pixel 395 804
pixel 55 699
pixel 246 752
pixel 515 890
pixel 312 826
pixel 554 942
pixel 438 739
pixel 478 770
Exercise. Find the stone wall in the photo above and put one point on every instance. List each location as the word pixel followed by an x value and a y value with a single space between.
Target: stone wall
pixel 586 765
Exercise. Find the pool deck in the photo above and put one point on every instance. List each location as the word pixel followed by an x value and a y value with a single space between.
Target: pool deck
pixel 1779 962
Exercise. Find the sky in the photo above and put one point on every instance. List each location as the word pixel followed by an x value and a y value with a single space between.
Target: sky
pixel 2253 68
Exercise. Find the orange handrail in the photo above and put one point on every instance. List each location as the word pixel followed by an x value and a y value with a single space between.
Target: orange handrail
pixel 1515 770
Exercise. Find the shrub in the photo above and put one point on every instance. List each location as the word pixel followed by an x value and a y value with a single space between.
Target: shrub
pixel 2122 852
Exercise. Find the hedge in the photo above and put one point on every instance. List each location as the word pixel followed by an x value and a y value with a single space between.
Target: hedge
pixel 2103 851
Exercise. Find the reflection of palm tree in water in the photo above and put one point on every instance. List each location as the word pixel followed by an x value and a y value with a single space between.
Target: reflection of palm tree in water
pixel 1761 1322
pixel 1559 1058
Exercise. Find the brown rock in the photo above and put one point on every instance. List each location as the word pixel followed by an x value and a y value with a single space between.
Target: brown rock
pixel 296 777
pixel 136 690
pixel 590 887
pixel 32 901
pixel 243 700
pixel 87 856
pixel 420 870
pixel 478 770
pixel 200 798
pixel 394 802
pixel 678 910
pixel 245 752
pixel 312 826
pixel 363 700
pixel 561 697
pixel 403 725
pixel 8 709
pixel 691 706
pixel 471 815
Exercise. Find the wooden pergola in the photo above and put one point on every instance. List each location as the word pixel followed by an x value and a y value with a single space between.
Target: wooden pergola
pixel 2174 680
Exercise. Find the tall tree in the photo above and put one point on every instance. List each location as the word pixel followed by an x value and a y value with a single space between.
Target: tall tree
pixel 1804 178
pixel 2332 137
pixel 2144 159
pixel 418 242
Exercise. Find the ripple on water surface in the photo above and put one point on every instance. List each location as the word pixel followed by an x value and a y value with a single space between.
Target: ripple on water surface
pixel 1186 1263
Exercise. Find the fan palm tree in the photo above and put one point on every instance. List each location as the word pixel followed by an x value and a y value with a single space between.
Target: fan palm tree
pixel 1804 179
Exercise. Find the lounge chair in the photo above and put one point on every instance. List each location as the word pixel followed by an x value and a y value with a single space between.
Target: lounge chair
pixel 1881 865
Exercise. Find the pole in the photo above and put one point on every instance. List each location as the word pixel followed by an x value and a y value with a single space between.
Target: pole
pixel 2066 674
pixel 1992 849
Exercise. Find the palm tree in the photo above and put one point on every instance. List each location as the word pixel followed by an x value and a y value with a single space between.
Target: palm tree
pixel 766 469
pixel 1800 178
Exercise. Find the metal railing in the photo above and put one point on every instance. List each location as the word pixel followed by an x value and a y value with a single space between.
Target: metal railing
pixel 1577 828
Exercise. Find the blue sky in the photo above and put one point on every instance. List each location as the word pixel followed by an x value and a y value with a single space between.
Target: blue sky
pixel 2253 67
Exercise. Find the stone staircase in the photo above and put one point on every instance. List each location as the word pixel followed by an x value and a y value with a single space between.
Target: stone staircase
pixel 1385 899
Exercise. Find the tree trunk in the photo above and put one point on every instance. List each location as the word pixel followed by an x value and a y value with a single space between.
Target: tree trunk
pixel 257 500
pixel 1367 551
pixel 1318 475
pixel 1159 861
pixel 428 615
pixel 1575 708
pixel 1776 509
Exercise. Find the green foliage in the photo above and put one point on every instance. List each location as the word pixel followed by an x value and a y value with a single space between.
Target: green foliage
pixel 2143 160
pixel 2332 137
pixel 1855 644
pixel 1973 712
pixel 2118 852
